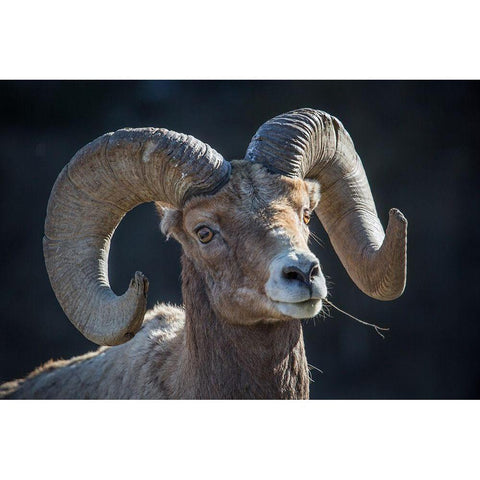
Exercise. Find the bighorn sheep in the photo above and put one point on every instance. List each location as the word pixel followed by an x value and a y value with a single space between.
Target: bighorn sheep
pixel 248 275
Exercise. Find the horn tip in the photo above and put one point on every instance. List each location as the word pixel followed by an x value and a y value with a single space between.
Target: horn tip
pixel 140 283
pixel 398 216
pixel 397 224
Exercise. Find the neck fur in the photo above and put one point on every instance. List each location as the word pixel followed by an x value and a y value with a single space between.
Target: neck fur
pixel 265 360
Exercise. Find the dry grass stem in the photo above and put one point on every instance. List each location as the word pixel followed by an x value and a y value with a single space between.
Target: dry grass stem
pixel 376 327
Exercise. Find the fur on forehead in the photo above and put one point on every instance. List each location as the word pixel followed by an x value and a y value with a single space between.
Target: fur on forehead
pixel 313 188
pixel 251 184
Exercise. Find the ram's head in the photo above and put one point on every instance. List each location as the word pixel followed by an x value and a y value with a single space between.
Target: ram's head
pixel 248 242
pixel 242 224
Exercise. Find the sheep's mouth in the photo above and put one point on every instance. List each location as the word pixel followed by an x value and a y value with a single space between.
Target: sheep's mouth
pixel 303 309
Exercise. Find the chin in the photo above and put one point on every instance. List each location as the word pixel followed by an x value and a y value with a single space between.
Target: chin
pixel 306 309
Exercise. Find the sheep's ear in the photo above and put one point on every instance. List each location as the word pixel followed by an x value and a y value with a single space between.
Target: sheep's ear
pixel 170 220
pixel 313 188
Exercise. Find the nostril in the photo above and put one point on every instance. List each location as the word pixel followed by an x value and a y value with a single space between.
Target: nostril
pixel 294 273
pixel 314 271
pixel 291 276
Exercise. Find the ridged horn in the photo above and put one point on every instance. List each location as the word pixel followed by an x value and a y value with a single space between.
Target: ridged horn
pixel 103 181
pixel 312 144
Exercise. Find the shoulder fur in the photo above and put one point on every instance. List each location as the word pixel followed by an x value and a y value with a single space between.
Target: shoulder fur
pixel 160 325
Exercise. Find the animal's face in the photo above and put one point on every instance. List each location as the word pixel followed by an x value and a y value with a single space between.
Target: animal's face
pixel 249 243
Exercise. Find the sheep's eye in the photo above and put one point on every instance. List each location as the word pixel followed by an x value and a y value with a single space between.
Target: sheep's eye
pixel 306 216
pixel 204 234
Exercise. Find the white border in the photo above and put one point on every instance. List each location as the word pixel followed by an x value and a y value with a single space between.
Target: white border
pixel 240 439
pixel 258 39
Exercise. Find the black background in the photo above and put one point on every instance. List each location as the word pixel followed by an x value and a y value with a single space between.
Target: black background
pixel 419 144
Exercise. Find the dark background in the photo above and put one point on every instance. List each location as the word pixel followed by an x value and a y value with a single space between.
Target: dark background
pixel 419 144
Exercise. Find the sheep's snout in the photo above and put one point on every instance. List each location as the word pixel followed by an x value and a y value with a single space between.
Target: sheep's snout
pixel 296 284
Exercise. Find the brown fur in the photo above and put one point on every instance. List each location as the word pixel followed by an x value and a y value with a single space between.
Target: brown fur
pixel 230 341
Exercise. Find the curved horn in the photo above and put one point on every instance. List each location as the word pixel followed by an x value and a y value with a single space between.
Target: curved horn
pixel 104 180
pixel 312 144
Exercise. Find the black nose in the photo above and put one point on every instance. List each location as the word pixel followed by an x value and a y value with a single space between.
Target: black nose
pixel 306 276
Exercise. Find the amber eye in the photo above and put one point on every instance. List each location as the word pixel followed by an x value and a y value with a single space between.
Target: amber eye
pixel 204 234
pixel 306 217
